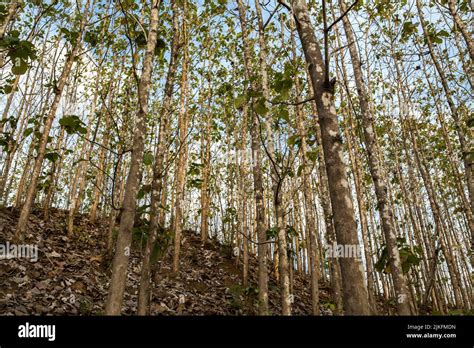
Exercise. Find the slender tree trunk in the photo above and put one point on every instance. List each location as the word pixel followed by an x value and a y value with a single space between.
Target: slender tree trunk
pixel 100 173
pixel 243 194
pixel 12 144
pixel 440 231
pixel 12 8
pixel 31 193
pixel 78 181
pixel 453 161
pixel 335 271
pixel 206 169
pixel 354 290
pixel 257 178
pixel 375 167
pixel 102 154
pixel 55 171
pixel 310 227
pixel 277 180
pixel 115 197
pixel 465 145
pixel 462 28
pixel 158 179
pixel 181 165
pixel 122 252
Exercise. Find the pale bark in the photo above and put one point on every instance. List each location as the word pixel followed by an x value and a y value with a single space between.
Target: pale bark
pixel 462 28
pixel 78 180
pixel 158 175
pixel 465 143
pixel 12 8
pixel 181 165
pixel 53 178
pixel 375 167
pixel 31 193
pixel 257 178
pixel 122 252
pixel 206 169
pixel 277 178
pixel 310 219
pixel 354 290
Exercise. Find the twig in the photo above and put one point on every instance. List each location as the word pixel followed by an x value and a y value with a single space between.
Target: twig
pixel 274 102
pixel 254 242
pixel 326 46
pixel 271 15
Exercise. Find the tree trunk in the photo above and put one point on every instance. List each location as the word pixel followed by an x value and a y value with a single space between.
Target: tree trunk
pixel 122 252
pixel 53 178
pixel 354 290
pixel 375 167
pixel 310 227
pixel 12 8
pixel 31 193
pixel 157 183
pixel 206 169
pixel 181 165
pixel 257 178
pixel 465 147
pixel 462 28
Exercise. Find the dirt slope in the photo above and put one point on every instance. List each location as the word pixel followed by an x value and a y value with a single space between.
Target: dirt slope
pixel 71 275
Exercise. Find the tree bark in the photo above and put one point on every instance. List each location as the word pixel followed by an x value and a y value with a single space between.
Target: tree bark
pixel 310 219
pixel 122 252
pixel 158 175
pixel 462 28
pixel 354 290
pixel 375 167
pixel 257 178
pixel 183 121
pixel 465 145
pixel 31 193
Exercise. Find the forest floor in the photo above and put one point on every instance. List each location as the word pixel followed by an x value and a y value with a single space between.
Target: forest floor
pixel 71 275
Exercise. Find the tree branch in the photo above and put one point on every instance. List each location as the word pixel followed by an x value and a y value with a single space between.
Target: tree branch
pixel 342 15
pixel 271 15
pixel 291 103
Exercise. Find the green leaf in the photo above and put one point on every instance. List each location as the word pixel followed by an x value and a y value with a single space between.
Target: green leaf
pixel 382 261
pixel 284 114
pixel 272 233
pixel 294 140
pixel 160 46
pixel 7 89
pixel 408 257
pixel 52 156
pixel 195 183
pixel 69 35
pixel 291 231
pixel 260 107
pixel 443 33
pixel 73 124
pixel 300 169
pixel 27 132
pixel 148 159
pixel 145 189
pixel 408 29
pixel 312 155
pixel 90 37
pixel 239 101
pixel 140 40
pixel 19 67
